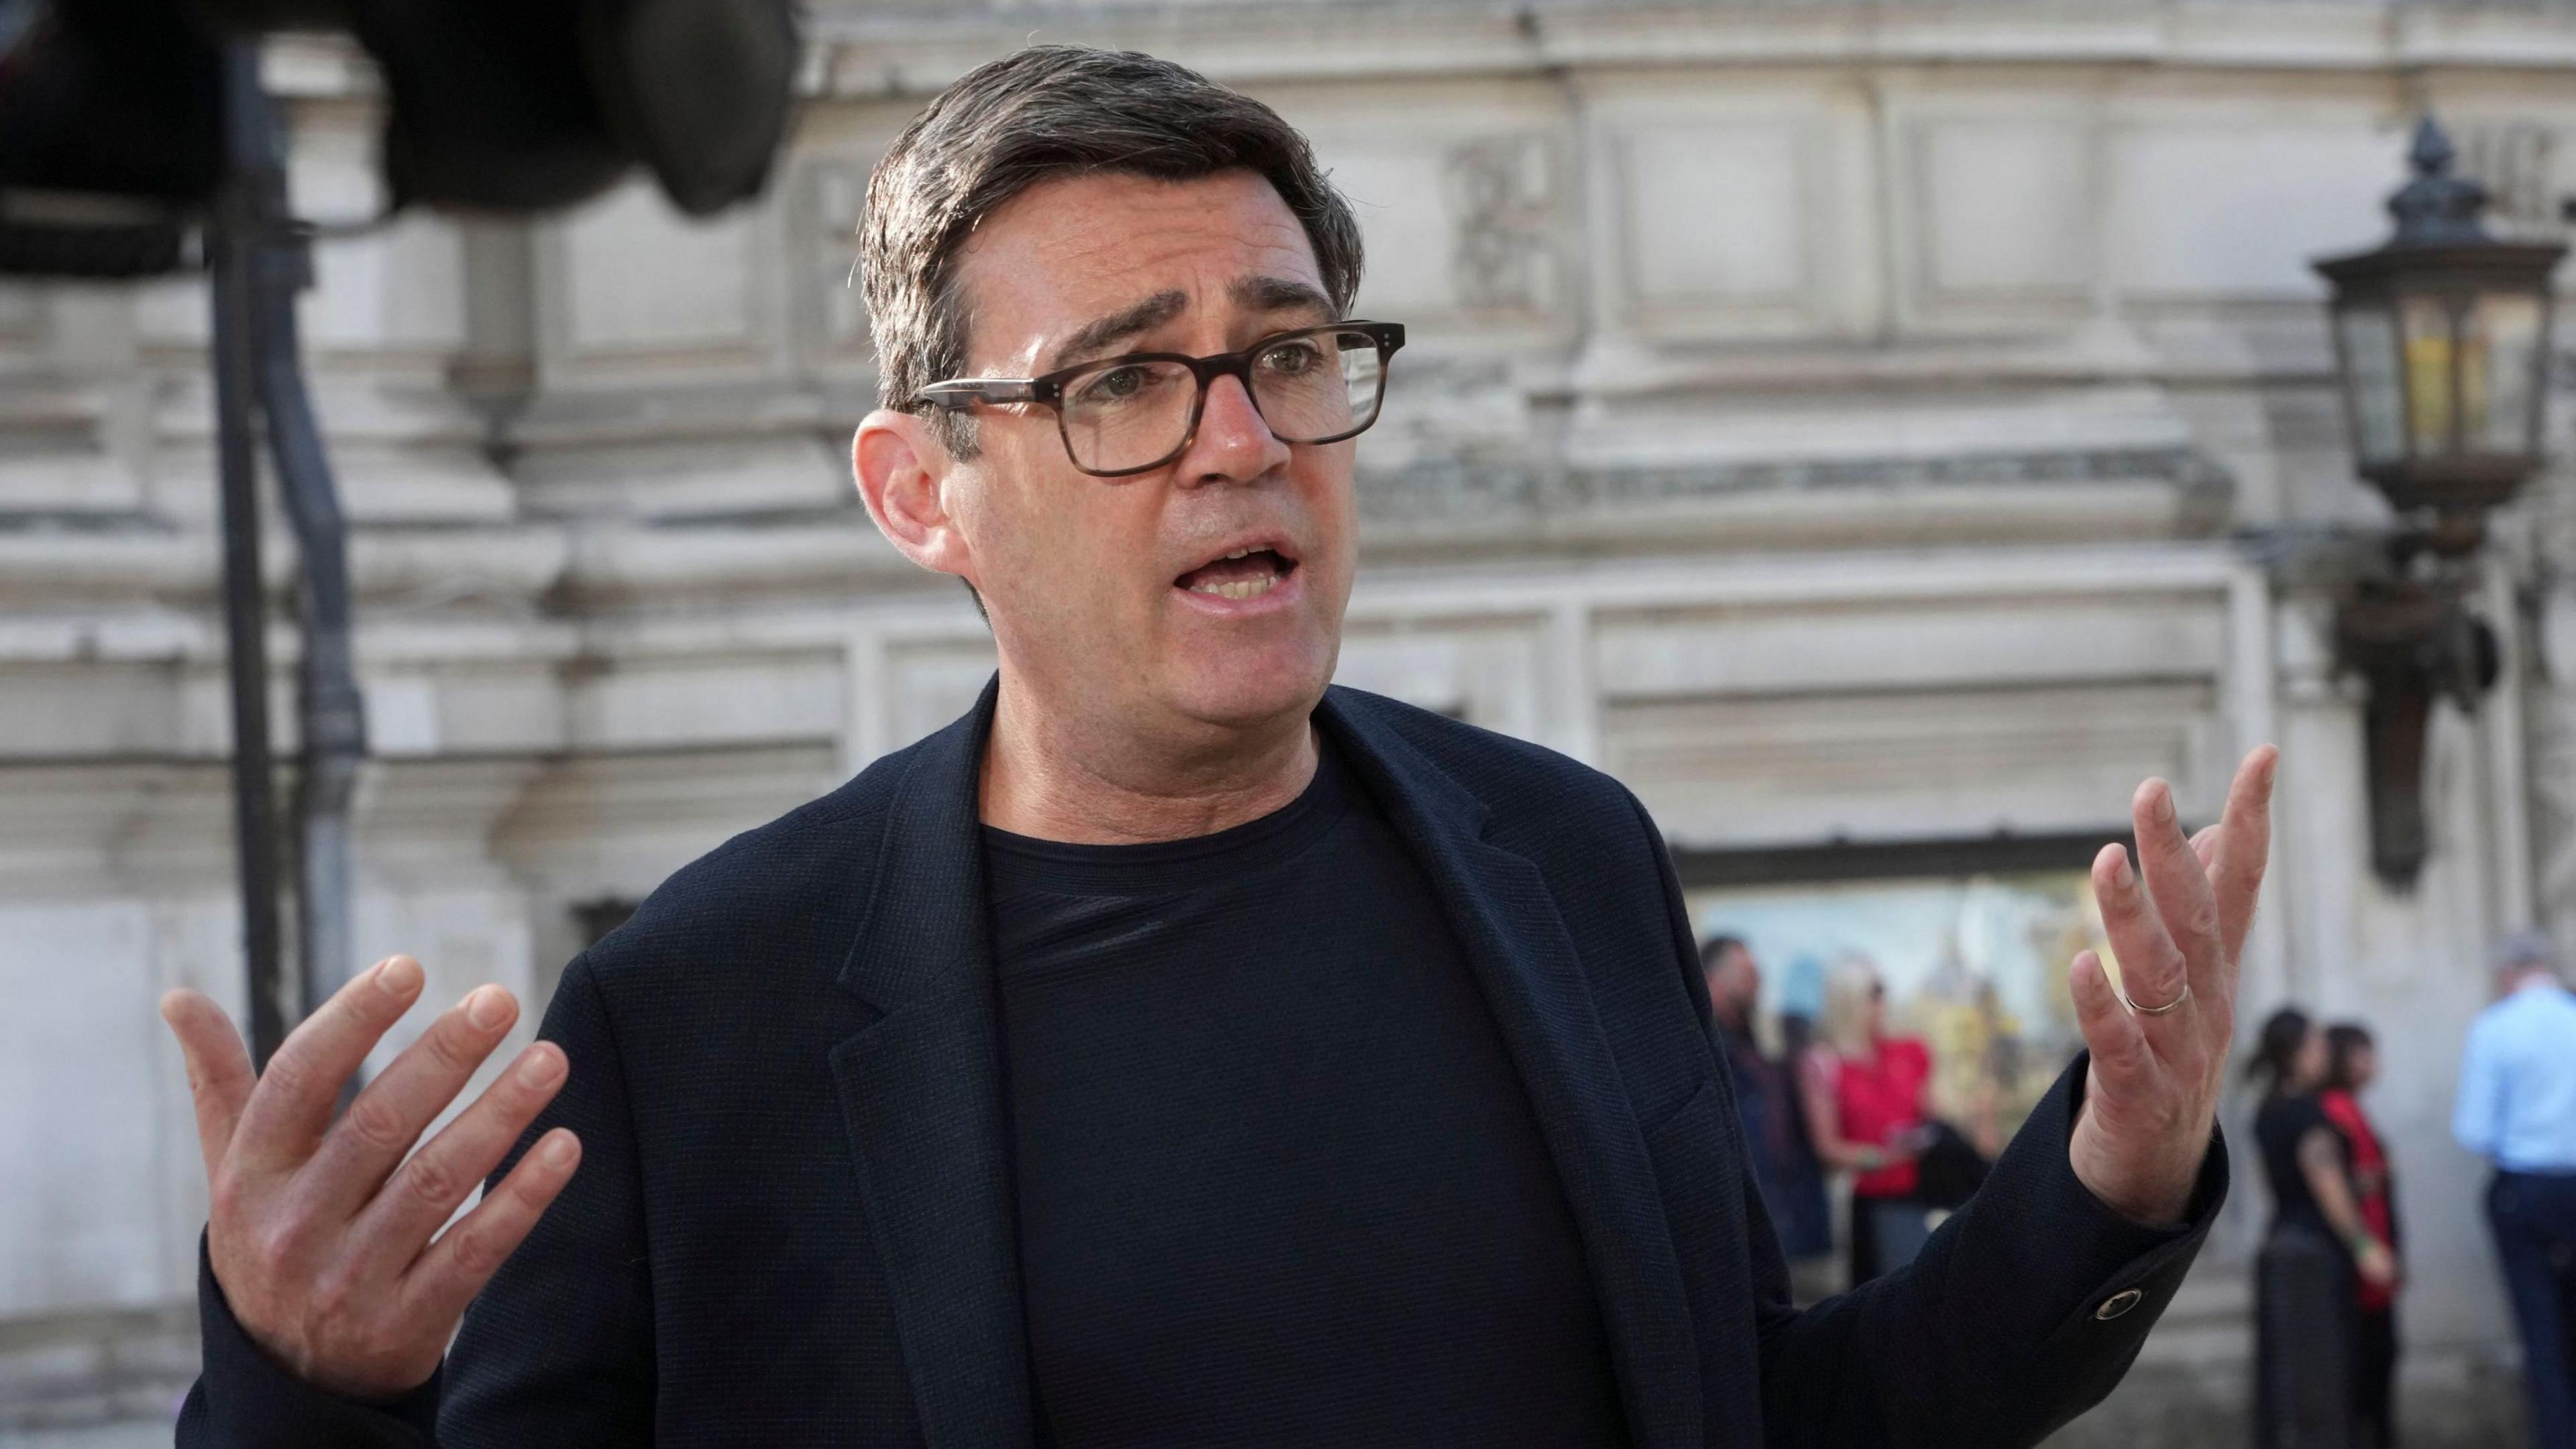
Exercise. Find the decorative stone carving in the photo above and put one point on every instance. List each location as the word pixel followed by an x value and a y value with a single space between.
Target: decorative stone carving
pixel 1501 199
pixel 828 313
pixel 2518 163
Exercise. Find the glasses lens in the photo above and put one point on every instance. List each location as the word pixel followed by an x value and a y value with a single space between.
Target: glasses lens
pixel 1317 386
pixel 1125 415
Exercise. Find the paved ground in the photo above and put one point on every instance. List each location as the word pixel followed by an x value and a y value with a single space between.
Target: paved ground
pixel 153 1435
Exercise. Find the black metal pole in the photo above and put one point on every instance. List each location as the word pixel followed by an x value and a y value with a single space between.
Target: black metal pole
pixel 233 245
pixel 329 711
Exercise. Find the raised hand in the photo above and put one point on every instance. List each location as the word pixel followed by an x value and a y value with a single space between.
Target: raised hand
pixel 325 1240
pixel 2178 927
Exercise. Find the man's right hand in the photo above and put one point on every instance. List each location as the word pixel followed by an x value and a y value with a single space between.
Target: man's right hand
pixel 321 1234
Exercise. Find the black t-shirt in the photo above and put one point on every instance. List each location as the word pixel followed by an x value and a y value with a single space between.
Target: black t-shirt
pixel 1278 1182
pixel 2280 1125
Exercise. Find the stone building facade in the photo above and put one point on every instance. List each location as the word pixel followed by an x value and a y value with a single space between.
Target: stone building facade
pixel 1880 433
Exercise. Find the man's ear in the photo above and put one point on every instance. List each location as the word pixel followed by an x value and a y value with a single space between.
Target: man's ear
pixel 903 471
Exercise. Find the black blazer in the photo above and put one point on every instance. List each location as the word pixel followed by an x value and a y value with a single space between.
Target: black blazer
pixel 792 1221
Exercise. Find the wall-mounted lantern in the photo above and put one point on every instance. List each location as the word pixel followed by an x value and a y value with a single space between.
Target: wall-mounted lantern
pixel 2442 338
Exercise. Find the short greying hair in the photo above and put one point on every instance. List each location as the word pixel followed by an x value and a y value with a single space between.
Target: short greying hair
pixel 2526 948
pixel 1045 112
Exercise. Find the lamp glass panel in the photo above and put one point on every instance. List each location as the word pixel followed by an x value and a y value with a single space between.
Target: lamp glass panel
pixel 2431 354
pixel 2500 372
pixel 2371 386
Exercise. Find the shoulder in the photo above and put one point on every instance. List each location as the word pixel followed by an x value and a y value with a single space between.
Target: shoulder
pixel 777 890
pixel 1524 786
pixel 1910 1054
pixel 2491 1028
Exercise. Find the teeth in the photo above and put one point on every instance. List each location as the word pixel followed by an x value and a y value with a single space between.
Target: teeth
pixel 1238 588
pixel 1240 553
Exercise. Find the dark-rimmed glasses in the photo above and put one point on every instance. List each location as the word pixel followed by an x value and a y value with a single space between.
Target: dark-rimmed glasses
pixel 1138 412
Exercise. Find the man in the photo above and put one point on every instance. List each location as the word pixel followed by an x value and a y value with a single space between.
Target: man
pixel 1766 1104
pixel 1172 1050
pixel 2517 1109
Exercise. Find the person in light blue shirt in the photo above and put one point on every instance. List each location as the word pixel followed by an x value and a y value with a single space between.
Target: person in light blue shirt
pixel 2517 1109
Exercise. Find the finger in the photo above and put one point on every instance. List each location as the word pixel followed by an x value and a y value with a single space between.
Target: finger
pixel 293 1101
pixel 369 1140
pixel 2204 847
pixel 2121 1055
pixel 2244 847
pixel 2180 891
pixel 2152 968
pixel 425 1191
pixel 447 1277
pixel 219 1071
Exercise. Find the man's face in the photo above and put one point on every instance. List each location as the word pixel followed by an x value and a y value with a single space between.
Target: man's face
pixel 1735 981
pixel 1117 598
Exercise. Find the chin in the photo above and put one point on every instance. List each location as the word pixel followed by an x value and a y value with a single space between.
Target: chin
pixel 1247 688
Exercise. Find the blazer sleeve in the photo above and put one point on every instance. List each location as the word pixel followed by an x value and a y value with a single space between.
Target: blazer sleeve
pixel 2024 1309
pixel 556 1350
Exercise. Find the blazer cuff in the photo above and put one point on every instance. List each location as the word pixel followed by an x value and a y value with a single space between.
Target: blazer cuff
pixel 2091 1283
pixel 2107 1241
pixel 243 1397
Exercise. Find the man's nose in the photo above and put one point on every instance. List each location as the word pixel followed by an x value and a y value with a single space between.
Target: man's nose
pixel 1234 445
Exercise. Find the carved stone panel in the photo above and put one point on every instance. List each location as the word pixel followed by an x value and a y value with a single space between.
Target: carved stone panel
pixel 1501 195
pixel 828 315
pixel 2209 210
pixel 2005 216
pixel 1460 233
pixel 2529 170
pixel 630 285
pixel 1715 218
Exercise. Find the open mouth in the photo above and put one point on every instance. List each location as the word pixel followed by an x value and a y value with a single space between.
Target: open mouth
pixel 1246 573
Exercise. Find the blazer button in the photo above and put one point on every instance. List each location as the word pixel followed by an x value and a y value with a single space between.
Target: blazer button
pixel 2117 1304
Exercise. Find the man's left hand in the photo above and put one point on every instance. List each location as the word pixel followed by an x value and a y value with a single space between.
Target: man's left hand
pixel 2151 1094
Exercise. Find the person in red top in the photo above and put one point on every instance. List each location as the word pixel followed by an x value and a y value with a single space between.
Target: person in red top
pixel 2352 1059
pixel 1865 1098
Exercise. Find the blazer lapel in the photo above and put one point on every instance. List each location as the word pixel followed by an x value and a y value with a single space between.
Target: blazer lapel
pixel 921 1093
pixel 1525 963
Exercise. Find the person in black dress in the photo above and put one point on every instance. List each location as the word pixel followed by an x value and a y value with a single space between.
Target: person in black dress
pixel 2316 1253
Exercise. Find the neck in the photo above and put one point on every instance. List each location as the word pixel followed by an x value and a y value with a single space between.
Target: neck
pixel 1057 776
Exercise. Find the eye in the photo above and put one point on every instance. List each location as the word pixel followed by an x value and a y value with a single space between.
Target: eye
pixel 1118 384
pixel 1291 357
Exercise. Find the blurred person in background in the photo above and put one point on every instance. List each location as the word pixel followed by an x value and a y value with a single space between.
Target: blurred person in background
pixel 2317 1252
pixel 2352 1062
pixel 2517 1109
pixel 1869 1113
pixel 1766 1098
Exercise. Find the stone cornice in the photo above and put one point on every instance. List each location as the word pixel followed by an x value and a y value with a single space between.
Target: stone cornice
pixel 908 50
pixel 1440 506
pixel 1336 40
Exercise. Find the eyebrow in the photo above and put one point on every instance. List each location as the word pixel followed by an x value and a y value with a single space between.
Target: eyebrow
pixel 1258 294
pixel 1278 294
pixel 1127 321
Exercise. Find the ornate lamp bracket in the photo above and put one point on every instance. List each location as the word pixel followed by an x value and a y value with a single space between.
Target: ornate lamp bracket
pixel 2413 640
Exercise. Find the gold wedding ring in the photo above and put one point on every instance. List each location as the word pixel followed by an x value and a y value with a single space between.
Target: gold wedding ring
pixel 2173 1005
